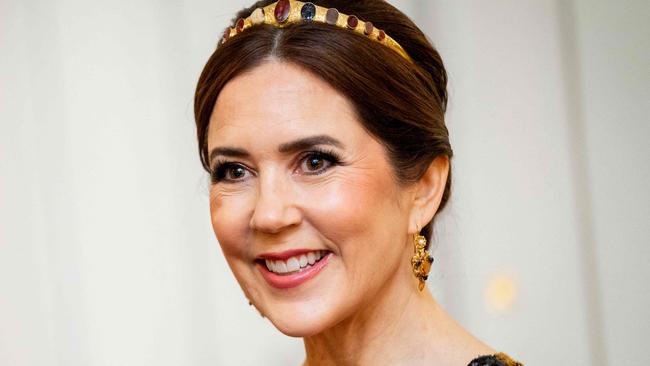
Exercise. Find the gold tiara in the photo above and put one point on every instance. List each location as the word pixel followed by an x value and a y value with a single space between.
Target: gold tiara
pixel 284 12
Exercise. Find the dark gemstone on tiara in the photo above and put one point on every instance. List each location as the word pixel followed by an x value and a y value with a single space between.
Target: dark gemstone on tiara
pixel 368 28
pixel 239 25
pixel 381 35
pixel 352 22
pixel 282 10
pixel 226 34
pixel 332 16
pixel 308 11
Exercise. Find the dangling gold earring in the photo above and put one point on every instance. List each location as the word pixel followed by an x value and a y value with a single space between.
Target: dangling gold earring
pixel 421 261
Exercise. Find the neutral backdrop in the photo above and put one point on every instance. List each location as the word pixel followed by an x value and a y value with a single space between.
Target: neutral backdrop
pixel 107 256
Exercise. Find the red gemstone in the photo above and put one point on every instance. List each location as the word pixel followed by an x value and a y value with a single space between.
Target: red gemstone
pixel 239 25
pixel 368 28
pixel 352 22
pixel 226 34
pixel 381 35
pixel 282 10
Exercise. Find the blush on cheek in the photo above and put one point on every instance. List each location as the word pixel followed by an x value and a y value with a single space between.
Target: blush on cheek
pixel 228 215
pixel 347 207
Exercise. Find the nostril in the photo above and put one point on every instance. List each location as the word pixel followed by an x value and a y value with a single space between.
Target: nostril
pixel 274 220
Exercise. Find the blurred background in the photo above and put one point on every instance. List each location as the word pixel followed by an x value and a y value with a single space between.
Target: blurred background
pixel 107 256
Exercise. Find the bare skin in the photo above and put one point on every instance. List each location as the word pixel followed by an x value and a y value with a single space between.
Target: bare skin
pixel 364 307
pixel 419 333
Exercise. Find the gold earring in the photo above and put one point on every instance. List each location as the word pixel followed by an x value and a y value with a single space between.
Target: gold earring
pixel 421 260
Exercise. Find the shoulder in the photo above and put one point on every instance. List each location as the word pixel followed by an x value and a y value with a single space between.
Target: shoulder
pixel 497 359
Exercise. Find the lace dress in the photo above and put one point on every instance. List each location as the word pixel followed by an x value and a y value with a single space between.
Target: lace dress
pixel 498 359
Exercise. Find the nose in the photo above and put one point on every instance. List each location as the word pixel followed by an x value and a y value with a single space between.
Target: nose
pixel 275 207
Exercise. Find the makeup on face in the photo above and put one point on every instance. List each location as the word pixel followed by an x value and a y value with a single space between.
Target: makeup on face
pixel 303 200
pixel 292 268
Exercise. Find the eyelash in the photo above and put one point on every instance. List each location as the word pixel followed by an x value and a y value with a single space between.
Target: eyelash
pixel 222 166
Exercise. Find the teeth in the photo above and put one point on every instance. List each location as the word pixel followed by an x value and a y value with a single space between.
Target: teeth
pixel 294 264
pixel 281 267
pixel 270 265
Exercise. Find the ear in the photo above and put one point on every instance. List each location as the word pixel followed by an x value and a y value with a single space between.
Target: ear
pixel 428 193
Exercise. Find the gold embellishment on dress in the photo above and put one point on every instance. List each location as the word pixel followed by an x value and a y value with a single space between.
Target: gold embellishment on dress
pixel 507 361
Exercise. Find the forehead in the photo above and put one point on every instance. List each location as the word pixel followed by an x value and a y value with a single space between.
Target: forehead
pixel 279 101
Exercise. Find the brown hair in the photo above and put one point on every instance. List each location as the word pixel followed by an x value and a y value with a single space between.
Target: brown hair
pixel 399 102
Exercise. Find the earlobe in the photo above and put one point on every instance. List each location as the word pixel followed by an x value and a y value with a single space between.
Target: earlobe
pixel 428 193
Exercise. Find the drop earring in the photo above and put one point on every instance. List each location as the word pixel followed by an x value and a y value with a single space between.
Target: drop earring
pixel 421 260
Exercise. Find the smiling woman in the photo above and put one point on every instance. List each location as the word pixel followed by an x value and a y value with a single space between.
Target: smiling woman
pixel 322 127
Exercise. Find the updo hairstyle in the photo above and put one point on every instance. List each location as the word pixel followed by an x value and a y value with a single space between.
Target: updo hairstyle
pixel 401 104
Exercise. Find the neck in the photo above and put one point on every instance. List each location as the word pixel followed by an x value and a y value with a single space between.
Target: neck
pixel 402 326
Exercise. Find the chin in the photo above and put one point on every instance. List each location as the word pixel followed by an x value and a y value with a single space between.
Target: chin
pixel 302 320
pixel 307 309
pixel 312 309
pixel 298 330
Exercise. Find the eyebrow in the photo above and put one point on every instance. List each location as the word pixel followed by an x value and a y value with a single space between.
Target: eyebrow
pixel 307 142
pixel 300 144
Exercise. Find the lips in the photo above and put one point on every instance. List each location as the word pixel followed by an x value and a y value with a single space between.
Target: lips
pixel 292 268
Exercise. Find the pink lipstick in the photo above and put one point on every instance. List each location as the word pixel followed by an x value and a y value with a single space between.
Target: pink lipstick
pixel 292 268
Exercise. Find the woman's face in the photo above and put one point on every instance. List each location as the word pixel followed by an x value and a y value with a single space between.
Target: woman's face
pixel 303 201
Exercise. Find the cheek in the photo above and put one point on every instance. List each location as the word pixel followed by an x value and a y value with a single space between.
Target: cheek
pixel 228 213
pixel 353 209
pixel 359 217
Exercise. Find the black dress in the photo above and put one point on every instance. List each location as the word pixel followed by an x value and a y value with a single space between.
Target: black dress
pixel 497 359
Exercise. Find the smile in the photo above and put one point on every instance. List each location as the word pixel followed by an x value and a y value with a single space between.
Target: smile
pixel 294 264
pixel 292 268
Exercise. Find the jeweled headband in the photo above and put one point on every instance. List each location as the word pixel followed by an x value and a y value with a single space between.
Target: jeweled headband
pixel 284 12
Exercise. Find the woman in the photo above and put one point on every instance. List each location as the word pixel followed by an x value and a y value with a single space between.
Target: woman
pixel 322 127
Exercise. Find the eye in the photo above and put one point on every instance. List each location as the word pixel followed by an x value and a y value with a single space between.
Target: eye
pixel 228 172
pixel 317 162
